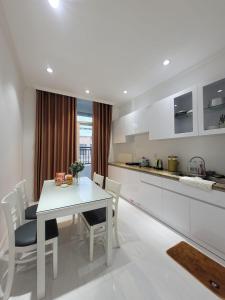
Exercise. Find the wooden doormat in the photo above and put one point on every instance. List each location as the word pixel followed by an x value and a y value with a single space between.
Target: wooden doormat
pixel 203 268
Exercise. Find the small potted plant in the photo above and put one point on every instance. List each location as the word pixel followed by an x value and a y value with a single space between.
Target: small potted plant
pixel 75 169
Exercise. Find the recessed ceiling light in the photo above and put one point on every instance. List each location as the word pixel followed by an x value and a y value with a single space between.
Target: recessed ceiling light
pixel 219 91
pixel 125 92
pixel 166 62
pixel 54 3
pixel 49 70
pixel 87 92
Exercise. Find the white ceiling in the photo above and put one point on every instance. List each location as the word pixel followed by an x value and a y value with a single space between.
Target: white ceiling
pixel 108 46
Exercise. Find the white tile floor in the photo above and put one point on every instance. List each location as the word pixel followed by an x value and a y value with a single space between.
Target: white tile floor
pixel 141 269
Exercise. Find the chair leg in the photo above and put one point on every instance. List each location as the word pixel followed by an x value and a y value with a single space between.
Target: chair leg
pixel 55 257
pixel 91 248
pixel 10 277
pixel 116 235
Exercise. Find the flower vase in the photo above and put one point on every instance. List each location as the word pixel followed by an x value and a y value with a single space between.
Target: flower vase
pixel 77 178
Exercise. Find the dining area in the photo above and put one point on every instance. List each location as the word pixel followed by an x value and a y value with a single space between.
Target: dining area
pixel 33 230
pixel 51 188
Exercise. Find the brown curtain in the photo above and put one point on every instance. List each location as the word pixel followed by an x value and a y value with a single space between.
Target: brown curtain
pixel 102 121
pixel 55 136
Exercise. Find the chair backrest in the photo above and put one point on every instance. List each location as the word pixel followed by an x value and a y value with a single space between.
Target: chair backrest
pixel 98 179
pixel 11 208
pixel 24 201
pixel 113 187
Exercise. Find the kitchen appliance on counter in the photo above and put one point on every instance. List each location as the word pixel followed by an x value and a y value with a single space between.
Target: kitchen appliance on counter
pixel 144 162
pixel 173 163
pixel 196 167
pixel 158 164
pixel 132 164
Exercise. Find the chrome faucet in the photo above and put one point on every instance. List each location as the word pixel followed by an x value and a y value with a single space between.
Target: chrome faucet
pixel 196 166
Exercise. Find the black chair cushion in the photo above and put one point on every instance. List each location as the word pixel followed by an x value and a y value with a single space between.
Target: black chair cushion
pixel 30 212
pixel 26 234
pixel 96 216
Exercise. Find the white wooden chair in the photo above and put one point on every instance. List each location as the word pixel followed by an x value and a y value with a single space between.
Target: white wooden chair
pixel 22 243
pixel 28 208
pixel 98 179
pixel 95 220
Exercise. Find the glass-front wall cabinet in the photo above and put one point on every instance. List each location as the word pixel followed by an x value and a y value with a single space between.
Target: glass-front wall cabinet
pixel 183 113
pixel 214 105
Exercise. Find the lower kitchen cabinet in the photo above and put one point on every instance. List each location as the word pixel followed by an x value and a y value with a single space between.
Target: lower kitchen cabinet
pixel 176 211
pixel 129 180
pixel 208 224
pixel 151 199
pixel 197 214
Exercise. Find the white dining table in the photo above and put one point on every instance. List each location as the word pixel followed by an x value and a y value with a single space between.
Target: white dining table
pixel 56 201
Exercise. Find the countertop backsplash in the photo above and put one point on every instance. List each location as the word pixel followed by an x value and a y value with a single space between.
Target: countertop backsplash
pixel 211 148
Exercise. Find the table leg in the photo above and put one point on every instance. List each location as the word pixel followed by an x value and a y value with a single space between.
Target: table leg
pixel 40 258
pixel 109 232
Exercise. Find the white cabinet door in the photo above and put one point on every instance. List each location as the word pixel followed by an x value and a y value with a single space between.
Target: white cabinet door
pixel 176 211
pixel 150 199
pixel 209 109
pixel 123 127
pixel 130 182
pixel 185 105
pixel 128 123
pixel 141 120
pixel 118 131
pixel 161 120
pixel 208 224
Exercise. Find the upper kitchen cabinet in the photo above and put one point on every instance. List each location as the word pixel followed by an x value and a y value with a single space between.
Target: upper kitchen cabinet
pixel 133 123
pixel 141 120
pixel 185 113
pixel 122 127
pixel 212 108
pixel 175 116
pixel 118 131
pixel 161 119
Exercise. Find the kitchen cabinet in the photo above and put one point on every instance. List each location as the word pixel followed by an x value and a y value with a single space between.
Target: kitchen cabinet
pixel 212 107
pixel 118 131
pixel 123 127
pixel 176 211
pixel 185 113
pixel 161 119
pixel 197 214
pixel 207 224
pixel 175 116
pixel 133 123
pixel 141 120
pixel 151 199
pixel 130 187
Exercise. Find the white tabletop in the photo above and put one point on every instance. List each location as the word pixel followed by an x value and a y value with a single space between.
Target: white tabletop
pixel 56 197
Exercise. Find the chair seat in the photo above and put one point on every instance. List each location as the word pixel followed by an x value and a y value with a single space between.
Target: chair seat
pixel 96 216
pixel 30 212
pixel 26 234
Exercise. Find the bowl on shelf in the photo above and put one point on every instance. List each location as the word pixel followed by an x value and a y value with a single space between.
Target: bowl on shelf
pixel 211 127
pixel 217 101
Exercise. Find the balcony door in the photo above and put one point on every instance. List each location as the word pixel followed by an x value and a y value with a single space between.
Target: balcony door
pixel 84 135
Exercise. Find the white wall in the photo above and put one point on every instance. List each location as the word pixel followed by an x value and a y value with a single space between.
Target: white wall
pixel 211 148
pixel 11 119
pixel 29 113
